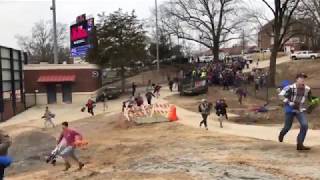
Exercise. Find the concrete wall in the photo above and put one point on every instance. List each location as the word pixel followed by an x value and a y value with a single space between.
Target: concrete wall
pixel 42 99
pixel 30 100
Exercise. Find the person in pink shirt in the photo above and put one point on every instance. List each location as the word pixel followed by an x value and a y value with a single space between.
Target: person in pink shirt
pixel 68 153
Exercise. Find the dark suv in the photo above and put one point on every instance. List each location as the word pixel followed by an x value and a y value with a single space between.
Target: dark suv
pixel 111 93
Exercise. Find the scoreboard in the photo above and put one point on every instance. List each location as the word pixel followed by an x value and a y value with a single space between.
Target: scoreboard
pixel 81 35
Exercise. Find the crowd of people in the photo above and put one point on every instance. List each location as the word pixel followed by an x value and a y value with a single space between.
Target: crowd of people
pixel 228 74
pixel 152 91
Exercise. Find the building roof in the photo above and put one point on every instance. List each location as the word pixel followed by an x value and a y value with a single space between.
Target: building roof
pixel 56 78
pixel 59 66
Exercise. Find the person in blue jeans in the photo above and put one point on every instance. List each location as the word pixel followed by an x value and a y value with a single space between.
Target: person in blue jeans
pixel 5 160
pixel 294 97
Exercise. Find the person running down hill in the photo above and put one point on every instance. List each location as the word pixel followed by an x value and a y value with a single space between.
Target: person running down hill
pixel 68 153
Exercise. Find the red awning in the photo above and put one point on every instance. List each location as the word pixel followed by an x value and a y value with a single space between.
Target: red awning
pixel 56 78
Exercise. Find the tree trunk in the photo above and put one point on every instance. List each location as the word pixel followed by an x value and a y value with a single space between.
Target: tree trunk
pixel 215 52
pixel 273 67
pixel 123 79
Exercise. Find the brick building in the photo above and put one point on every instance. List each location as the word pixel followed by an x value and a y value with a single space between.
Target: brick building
pixel 60 83
pixel 302 37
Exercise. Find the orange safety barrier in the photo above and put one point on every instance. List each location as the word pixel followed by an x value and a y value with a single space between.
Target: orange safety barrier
pixel 172 116
pixel 150 110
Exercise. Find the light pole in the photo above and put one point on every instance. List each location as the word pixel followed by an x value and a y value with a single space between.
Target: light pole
pixel 55 41
pixel 157 35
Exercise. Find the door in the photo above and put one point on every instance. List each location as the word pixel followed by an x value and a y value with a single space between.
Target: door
pixel 67 93
pixel 52 93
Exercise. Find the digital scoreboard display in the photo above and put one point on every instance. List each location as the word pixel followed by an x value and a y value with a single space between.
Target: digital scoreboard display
pixel 80 37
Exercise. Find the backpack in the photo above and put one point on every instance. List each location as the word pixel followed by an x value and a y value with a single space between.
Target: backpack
pixel 199 108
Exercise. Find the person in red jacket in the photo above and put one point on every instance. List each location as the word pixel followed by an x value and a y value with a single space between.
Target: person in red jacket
pixel 90 106
pixel 68 153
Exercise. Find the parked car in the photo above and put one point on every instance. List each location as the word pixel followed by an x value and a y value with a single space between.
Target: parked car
pixel 193 86
pixel 111 93
pixel 304 55
pixel 206 59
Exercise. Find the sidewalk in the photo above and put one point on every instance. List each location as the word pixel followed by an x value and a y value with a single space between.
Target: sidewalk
pixel 253 131
pixel 265 64
pixel 31 118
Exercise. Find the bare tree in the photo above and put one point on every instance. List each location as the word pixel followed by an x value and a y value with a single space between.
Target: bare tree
pixel 282 12
pixel 210 23
pixel 311 9
pixel 39 45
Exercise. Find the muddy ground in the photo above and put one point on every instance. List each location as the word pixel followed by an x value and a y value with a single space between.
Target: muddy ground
pixel 119 150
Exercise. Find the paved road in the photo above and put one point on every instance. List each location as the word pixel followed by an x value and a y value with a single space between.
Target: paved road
pixel 253 131
pixel 264 64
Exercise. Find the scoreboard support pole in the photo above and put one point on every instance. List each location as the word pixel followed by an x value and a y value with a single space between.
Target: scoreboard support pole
pixel 55 43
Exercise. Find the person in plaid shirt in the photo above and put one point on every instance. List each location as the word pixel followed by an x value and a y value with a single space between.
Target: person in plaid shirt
pixel 294 97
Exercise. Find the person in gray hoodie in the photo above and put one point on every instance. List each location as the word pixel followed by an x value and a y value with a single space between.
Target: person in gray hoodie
pixel 204 109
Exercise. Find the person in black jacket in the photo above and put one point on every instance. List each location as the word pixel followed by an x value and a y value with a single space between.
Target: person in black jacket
pixel 221 110
pixel 149 96
pixel 5 161
pixel 134 87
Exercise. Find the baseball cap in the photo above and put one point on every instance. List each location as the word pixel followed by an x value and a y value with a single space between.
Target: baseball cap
pixel 301 75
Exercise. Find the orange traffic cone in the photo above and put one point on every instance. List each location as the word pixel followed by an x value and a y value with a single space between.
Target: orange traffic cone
pixel 172 115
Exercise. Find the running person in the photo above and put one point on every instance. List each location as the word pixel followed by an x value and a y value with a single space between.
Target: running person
pixel 221 111
pixel 48 116
pixel 294 97
pixel 68 153
pixel 204 109
pixel 90 106
pixel 104 101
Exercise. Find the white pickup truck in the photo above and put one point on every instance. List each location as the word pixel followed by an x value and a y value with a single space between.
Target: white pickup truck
pixel 304 55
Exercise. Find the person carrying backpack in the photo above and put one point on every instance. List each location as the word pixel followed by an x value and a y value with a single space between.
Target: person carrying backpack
pixel 204 109
pixel 48 116
pixel 221 111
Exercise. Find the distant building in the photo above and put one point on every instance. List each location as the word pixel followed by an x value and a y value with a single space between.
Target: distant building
pixel 61 83
pixel 300 36
pixel 12 99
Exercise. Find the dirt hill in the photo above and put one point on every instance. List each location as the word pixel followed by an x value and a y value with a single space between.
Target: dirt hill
pixel 160 151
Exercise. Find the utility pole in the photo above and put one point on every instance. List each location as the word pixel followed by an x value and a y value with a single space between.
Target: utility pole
pixel 55 41
pixel 157 34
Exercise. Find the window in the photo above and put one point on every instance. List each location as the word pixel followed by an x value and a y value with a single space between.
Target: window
pixel 6 85
pixel 5 64
pixel 17 85
pixel 6 75
pixel 16 65
pixel 16 75
pixel 15 55
pixel 5 53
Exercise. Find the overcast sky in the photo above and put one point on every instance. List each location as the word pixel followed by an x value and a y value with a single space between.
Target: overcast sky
pixel 18 16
